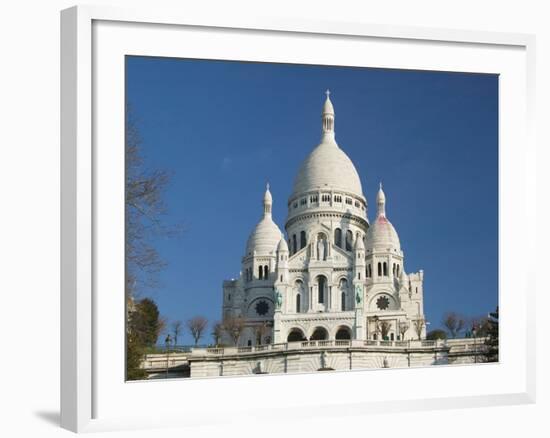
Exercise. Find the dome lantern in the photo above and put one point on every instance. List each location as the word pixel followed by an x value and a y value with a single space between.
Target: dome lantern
pixel 328 117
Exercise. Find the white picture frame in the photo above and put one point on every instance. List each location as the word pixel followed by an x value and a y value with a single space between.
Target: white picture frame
pixel 92 392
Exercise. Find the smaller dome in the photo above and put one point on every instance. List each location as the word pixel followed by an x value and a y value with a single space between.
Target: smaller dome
pixel 283 246
pixel 382 235
pixel 265 238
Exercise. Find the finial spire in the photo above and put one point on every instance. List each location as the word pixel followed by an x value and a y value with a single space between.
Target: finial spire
pixel 327 93
pixel 381 201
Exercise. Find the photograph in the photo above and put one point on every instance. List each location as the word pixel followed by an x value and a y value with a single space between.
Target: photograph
pixel 297 218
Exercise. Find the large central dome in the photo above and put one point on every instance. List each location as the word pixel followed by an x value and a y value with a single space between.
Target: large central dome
pixel 327 166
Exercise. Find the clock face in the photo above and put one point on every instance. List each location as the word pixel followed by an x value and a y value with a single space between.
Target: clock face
pixel 262 307
pixel 383 303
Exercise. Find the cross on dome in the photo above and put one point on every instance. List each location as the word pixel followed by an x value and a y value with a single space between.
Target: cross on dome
pixel 327 93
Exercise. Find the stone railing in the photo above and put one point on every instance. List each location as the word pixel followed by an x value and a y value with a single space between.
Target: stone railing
pixel 321 344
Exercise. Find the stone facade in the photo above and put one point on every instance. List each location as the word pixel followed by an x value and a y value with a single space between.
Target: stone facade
pixel 335 276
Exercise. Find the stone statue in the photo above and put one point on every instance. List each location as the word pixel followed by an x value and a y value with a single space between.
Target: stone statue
pixel 358 294
pixel 278 299
pixel 322 247
pixel 323 359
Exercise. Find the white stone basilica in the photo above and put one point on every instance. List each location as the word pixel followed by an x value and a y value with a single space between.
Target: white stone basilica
pixel 336 276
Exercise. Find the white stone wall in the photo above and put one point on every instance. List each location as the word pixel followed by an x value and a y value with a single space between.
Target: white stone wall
pixel 304 361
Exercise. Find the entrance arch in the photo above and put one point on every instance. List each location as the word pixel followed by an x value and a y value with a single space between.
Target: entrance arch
pixel 319 334
pixel 295 335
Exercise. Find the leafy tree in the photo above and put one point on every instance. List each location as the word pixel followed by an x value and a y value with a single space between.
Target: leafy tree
pixel 143 328
pixel 145 322
pixel 134 356
pixel 436 334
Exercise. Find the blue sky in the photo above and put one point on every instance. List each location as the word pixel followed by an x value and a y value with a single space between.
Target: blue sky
pixel 223 129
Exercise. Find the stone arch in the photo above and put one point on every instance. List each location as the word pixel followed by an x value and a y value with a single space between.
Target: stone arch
pixel 319 333
pixel 343 332
pixel 321 284
pixel 295 334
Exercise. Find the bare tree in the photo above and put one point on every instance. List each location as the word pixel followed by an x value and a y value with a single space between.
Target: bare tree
pixel 454 323
pixel 384 327
pixel 403 327
pixel 234 327
pixel 481 326
pixel 196 326
pixel 176 330
pixel 419 324
pixel 260 331
pixel 217 332
pixel 145 210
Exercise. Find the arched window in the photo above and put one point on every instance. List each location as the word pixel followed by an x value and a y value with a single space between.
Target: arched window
pixel 295 335
pixel 298 303
pixel 393 269
pixel 343 333
pixel 266 272
pixel 338 237
pixel 379 269
pixel 320 334
pixel 397 270
pixel 349 240
pixel 392 337
pixel 385 269
pixel 302 239
pixel 321 285
pixel 370 270
pixel 260 272
pixel 343 301
pixel 374 336
pixel 294 244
